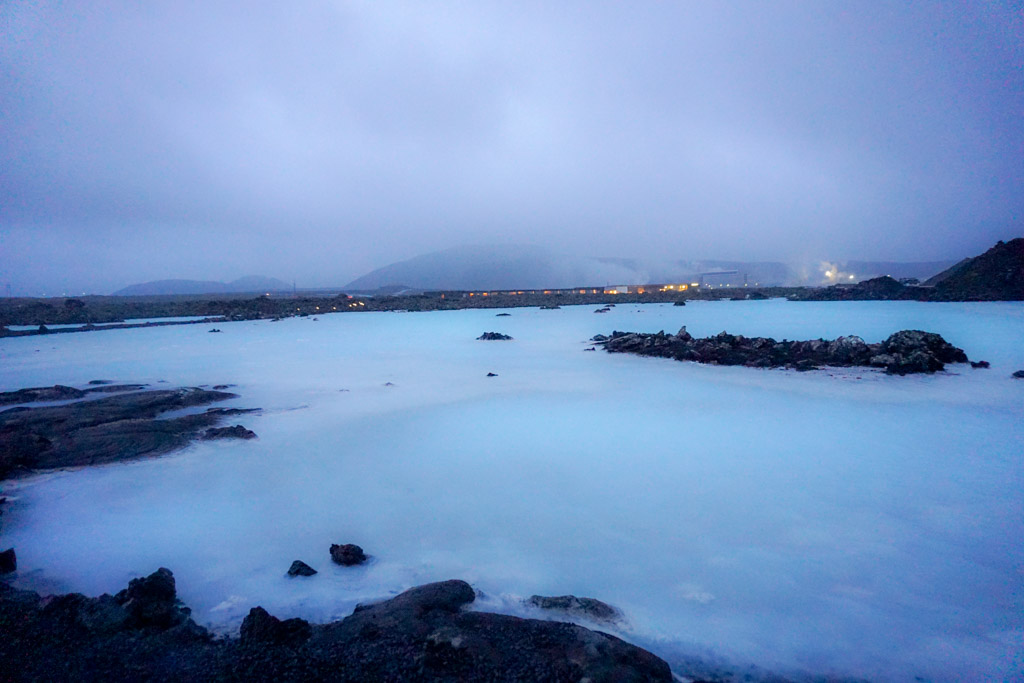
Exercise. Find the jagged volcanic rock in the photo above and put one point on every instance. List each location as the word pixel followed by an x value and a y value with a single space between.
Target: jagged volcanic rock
pixel 424 634
pixel 905 352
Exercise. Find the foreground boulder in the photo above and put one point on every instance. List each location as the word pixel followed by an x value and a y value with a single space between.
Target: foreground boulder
pixel 423 634
pixel 905 352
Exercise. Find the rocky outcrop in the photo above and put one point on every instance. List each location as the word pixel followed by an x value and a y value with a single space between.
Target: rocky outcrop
pixel 57 392
pixel 300 568
pixel 347 555
pixel 236 432
pixel 8 561
pixel 261 628
pixel 1018 375
pixel 423 634
pixel 493 336
pixel 586 608
pixel 905 352
pixel 109 429
pixel 996 275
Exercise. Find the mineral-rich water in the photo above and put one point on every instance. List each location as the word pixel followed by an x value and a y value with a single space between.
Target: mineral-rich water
pixel 840 521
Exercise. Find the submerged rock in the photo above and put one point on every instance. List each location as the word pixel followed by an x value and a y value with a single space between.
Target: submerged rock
pixel 1018 375
pixel 57 392
pixel 492 374
pixel 300 568
pixel 589 608
pixel 493 336
pixel 980 364
pixel 236 432
pixel 347 555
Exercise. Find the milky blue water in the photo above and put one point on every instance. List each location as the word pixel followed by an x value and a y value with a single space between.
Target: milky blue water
pixel 842 522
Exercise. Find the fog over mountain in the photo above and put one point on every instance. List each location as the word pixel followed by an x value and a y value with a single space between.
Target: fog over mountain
pixel 502 267
pixel 250 283
pixel 320 141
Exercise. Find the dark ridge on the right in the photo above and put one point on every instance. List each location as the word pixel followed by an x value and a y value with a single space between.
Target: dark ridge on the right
pixel 996 275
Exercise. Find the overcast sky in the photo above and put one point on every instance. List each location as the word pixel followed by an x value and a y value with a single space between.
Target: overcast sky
pixel 317 141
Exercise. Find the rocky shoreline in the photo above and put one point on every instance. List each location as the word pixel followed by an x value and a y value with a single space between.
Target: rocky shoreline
pixel 127 424
pixel 424 634
pixel 905 352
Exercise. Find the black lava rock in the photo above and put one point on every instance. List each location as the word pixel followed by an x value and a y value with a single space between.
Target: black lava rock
pixel 8 561
pixel 300 568
pixel 347 555
pixel 236 432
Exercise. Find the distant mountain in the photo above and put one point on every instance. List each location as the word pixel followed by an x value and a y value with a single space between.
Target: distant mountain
pixel 250 283
pixel 492 267
pixel 512 267
pixel 996 275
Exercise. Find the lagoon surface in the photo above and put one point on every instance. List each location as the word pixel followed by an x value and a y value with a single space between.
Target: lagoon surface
pixel 839 522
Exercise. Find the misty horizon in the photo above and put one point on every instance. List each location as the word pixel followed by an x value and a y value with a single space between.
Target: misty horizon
pixel 320 143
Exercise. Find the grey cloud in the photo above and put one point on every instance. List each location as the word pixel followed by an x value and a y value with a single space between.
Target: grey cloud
pixel 327 139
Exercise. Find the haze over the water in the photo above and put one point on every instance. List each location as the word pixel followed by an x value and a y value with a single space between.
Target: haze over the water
pixel 317 142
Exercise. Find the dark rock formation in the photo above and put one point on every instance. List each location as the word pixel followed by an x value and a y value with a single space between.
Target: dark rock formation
pixel 214 330
pixel 300 568
pixel 8 561
pixel 492 374
pixel 109 429
pixel 502 315
pixel 152 601
pixel 347 555
pixel 588 608
pixel 236 432
pixel 602 310
pixel 57 392
pixel 493 336
pixel 882 288
pixel 980 364
pixel 259 627
pixel 905 352
pixel 424 634
pixel 1019 374
pixel 679 303
pixel 996 275
pixel 100 381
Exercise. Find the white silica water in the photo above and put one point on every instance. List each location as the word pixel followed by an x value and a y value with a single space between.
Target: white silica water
pixel 838 522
